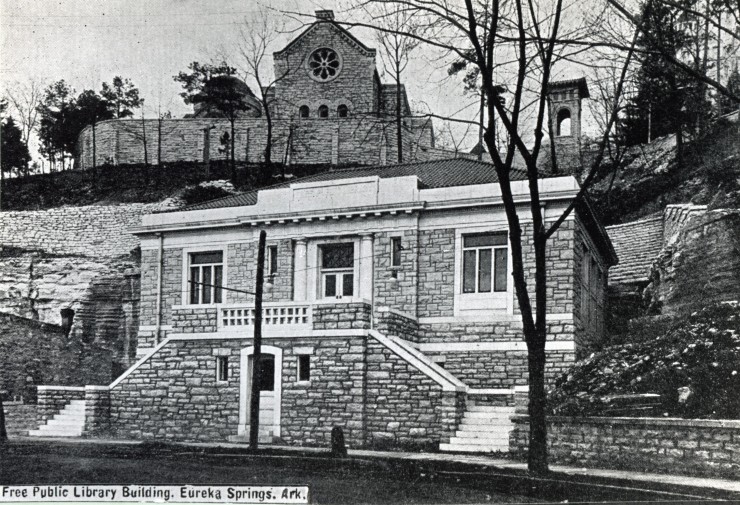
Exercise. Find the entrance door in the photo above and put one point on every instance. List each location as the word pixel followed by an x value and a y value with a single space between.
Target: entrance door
pixel 269 384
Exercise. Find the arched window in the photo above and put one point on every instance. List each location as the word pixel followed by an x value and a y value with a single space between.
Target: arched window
pixel 323 111
pixel 564 123
pixel 303 111
pixel 342 111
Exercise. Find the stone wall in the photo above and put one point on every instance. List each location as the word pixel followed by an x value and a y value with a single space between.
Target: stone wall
pixel 436 273
pixel 393 323
pixel 97 411
pixel 194 319
pixel 52 399
pixel 342 316
pixel 405 408
pixel 20 418
pixel 399 293
pixel 675 446
pixel 500 369
pixel 34 353
pixel 101 231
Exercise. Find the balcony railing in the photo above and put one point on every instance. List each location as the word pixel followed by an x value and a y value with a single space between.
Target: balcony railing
pixel 273 314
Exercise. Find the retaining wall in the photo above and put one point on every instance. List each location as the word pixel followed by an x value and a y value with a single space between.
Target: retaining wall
pixel 675 446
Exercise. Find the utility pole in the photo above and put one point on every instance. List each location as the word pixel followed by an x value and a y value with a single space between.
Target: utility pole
pixel 254 404
pixel 3 432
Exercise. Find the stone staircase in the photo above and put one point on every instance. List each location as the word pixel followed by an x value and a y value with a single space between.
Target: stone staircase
pixel 483 429
pixel 68 423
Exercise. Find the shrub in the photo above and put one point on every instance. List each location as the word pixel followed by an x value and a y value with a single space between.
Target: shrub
pixel 699 355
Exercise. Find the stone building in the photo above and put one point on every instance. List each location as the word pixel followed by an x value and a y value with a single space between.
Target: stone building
pixel 328 105
pixel 389 311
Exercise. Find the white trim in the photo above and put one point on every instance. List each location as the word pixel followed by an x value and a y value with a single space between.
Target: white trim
pixel 396 311
pixel 153 327
pixel 97 388
pixel 185 294
pixel 303 350
pixel 270 333
pixel 504 318
pixel 244 389
pixel 428 368
pixel 60 388
pixel 510 345
pixel 482 303
pixel 491 391
pixel 139 363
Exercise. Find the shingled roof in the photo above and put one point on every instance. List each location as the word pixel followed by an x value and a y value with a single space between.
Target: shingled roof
pixel 431 174
pixel 637 245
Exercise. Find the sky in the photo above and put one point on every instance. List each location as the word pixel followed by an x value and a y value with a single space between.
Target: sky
pixel 87 42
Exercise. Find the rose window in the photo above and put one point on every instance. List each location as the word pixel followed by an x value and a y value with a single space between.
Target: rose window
pixel 324 64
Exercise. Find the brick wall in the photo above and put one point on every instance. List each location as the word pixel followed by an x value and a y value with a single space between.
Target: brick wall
pixel 675 446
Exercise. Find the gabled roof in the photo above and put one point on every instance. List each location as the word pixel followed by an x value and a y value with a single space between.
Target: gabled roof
pixel 431 174
pixel 637 244
pixel 352 39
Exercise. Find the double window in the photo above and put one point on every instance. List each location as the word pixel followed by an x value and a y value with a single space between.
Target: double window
pixel 485 263
pixel 337 270
pixel 206 277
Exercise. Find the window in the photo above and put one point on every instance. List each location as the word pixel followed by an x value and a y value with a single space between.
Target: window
pixel 303 111
pixel 485 263
pixel 337 270
pixel 272 265
pixel 206 277
pixel 396 249
pixel 266 377
pixel 564 123
pixel 342 111
pixel 304 368
pixel 324 64
pixel 323 111
pixel 222 368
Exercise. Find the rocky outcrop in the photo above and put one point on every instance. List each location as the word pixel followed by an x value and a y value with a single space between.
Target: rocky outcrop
pixel 701 264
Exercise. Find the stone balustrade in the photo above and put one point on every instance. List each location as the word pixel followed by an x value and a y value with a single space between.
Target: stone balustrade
pixel 289 314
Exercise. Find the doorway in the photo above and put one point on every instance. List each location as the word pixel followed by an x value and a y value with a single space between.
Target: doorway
pixel 270 386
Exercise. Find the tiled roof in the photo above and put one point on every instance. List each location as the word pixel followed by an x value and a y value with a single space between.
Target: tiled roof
pixel 431 174
pixel 637 245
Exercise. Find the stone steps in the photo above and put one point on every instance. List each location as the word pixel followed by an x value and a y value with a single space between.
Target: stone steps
pixel 483 429
pixel 70 422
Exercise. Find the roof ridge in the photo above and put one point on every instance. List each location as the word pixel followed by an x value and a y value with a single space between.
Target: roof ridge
pixel 632 223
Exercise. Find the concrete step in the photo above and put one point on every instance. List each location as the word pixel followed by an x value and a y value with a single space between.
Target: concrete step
pixel 55 433
pixel 483 421
pixel 489 408
pixel 483 434
pixel 67 423
pixel 458 447
pixel 487 415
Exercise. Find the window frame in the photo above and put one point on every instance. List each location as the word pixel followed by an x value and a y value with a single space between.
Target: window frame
pixel 342 110
pixel 272 260
pixel 222 369
pixel 396 241
pixel 323 108
pixel 314 292
pixel 481 305
pixel 340 273
pixel 299 368
pixel 186 257
pixel 302 109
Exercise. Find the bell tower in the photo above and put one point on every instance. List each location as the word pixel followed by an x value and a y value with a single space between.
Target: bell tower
pixel 565 111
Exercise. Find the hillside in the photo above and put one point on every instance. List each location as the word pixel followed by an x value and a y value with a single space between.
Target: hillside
pixel 135 184
pixel 649 177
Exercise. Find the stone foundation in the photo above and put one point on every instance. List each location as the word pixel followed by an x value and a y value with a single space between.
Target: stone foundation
pixel 52 399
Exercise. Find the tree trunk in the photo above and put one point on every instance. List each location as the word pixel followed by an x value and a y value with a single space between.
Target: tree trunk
pixel 398 116
pixel 3 431
pixel 537 455
pixel 254 404
pixel 233 144
pixel 268 146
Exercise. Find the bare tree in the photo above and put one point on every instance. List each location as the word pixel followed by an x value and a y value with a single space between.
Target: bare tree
pixel 25 99
pixel 529 37
pixel 258 35
pixel 394 22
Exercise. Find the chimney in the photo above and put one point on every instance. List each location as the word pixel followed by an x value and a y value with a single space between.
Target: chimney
pixel 327 15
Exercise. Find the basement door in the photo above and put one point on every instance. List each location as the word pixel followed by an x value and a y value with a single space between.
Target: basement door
pixel 269 390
